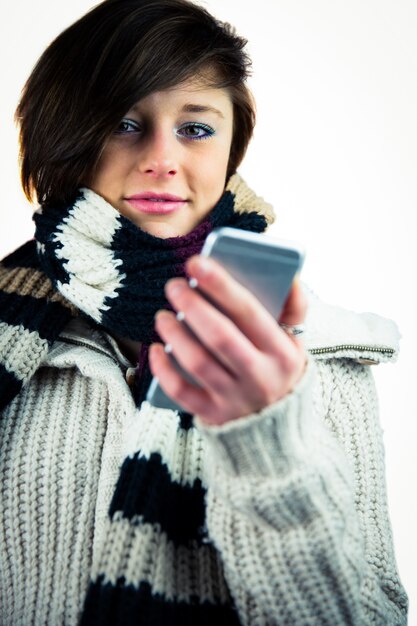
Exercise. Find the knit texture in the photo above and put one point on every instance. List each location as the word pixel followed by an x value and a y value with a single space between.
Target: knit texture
pixel 116 273
pixel 287 509
pixel 32 314
pixel 107 268
pixel 114 512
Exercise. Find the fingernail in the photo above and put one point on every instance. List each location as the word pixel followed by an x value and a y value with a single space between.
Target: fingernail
pixel 199 265
pixel 174 287
pixel 160 313
pixel 203 264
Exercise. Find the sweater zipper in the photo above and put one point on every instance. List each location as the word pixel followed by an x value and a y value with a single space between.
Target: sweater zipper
pixel 389 352
pixel 82 344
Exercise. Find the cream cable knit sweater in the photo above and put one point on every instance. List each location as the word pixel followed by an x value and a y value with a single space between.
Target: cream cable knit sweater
pixel 296 503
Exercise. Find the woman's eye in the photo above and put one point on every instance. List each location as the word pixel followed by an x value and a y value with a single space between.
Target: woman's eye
pixel 196 131
pixel 127 126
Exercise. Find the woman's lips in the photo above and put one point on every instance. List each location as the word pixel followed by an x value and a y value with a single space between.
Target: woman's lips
pixel 155 203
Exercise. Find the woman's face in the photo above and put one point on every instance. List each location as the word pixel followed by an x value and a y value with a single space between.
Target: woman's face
pixel 165 166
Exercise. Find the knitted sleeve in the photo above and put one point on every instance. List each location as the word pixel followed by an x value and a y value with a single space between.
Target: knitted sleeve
pixel 297 506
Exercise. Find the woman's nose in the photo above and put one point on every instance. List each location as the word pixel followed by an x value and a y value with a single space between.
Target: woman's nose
pixel 158 158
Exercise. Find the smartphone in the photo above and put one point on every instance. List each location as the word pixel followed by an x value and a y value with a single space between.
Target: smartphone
pixel 264 265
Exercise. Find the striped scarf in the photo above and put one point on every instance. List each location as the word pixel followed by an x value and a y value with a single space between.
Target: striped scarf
pixel 89 260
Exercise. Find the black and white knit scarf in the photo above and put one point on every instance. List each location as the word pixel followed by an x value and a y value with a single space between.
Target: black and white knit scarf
pixel 89 260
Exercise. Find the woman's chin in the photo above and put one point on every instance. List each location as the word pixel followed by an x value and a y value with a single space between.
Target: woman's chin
pixel 164 230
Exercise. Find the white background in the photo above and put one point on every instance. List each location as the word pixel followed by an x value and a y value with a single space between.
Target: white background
pixel 335 151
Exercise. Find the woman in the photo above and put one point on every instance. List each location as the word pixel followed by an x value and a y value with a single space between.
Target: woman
pixel 264 502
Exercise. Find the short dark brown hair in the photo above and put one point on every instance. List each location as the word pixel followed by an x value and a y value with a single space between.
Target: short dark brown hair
pixel 99 67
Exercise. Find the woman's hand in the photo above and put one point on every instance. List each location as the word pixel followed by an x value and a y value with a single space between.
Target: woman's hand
pixel 242 359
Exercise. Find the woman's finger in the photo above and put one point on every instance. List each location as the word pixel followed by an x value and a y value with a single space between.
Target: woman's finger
pixel 295 308
pixel 238 303
pixel 191 355
pixel 192 399
pixel 226 342
pixel 220 336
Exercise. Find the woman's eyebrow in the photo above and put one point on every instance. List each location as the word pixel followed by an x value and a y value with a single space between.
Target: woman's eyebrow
pixel 201 108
